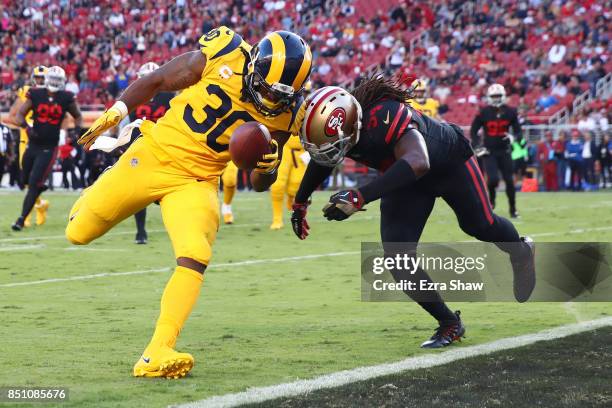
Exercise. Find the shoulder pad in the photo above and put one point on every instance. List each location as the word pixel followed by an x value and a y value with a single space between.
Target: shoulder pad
pixel 218 42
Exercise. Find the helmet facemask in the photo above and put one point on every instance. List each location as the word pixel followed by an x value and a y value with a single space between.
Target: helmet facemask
pixel 269 99
pixel 55 79
pixel 332 153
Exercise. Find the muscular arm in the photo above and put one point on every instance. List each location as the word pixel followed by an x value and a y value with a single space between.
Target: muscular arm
pixel 261 182
pixel 22 112
pixel 412 163
pixel 179 73
pixel 12 117
pixel 476 125
pixel 516 128
pixel 75 112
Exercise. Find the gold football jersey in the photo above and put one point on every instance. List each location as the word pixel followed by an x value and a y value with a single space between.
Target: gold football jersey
pixel 429 108
pixel 195 132
pixel 294 143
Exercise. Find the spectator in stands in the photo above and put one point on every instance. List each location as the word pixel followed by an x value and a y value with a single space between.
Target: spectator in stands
pixel 560 159
pixel 547 163
pixel 556 53
pixel 587 122
pixel 573 152
pixel 605 160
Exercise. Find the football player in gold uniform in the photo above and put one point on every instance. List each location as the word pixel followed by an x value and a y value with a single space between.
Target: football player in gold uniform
pixel 178 160
pixel 290 174
pixel 422 102
pixel 37 80
pixel 230 183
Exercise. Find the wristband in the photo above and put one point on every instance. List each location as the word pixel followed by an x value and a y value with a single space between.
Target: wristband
pixel 121 107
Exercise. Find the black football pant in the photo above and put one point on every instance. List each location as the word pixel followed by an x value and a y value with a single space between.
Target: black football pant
pixel 500 162
pixel 404 214
pixel 141 219
pixel 36 167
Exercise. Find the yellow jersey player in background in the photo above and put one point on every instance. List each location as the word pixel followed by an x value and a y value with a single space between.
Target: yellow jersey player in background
pixel 37 80
pixel 230 183
pixel 422 102
pixel 290 174
pixel 178 160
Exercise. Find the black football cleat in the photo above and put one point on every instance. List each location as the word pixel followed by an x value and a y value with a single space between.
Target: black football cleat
pixel 18 225
pixel 446 334
pixel 141 238
pixel 523 268
pixel 514 214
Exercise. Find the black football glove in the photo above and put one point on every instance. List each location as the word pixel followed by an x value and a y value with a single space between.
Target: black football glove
pixel 298 220
pixel 343 204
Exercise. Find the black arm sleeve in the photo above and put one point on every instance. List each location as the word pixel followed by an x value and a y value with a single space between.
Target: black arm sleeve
pixel 476 125
pixel 314 176
pixel 400 174
pixel 517 132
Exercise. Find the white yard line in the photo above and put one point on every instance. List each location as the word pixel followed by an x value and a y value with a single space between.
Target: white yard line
pixel 337 379
pixel 166 269
pixel 85 248
pixel 12 248
pixel 51 237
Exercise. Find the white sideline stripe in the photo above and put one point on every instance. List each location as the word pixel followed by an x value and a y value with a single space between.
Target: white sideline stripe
pixel 574 231
pixel 19 247
pixel 166 269
pixel 337 379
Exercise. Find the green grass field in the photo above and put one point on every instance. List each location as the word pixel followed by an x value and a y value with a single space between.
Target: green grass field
pixel 259 323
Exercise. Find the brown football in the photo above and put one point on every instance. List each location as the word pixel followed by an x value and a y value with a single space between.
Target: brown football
pixel 249 142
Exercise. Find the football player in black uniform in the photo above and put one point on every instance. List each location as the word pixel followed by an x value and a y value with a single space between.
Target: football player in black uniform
pixel 152 110
pixel 49 106
pixel 496 119
pixel 420 159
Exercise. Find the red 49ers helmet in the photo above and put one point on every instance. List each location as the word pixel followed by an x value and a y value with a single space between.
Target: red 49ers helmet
pixel 331 126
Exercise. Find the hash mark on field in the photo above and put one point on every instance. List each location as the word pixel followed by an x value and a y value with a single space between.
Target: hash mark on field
pixel 167 269
pixel 337 379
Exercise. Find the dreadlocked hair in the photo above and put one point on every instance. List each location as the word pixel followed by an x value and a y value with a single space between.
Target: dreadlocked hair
pixel 376 88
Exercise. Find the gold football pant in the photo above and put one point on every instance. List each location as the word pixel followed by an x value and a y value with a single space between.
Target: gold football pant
pixel 230 178
pixel 290 174
pixel 189 207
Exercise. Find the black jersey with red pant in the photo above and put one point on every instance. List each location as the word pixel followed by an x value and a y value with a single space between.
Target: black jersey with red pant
pixel 495 122
pixel 152 110
pixel 49 110
pixel 454 176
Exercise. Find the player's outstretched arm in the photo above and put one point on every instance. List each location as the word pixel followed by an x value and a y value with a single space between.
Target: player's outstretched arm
pixel 12 116
pixel 181 72
pixel 412 163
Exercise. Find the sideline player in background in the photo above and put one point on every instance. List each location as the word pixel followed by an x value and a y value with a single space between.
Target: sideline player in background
pixel 151 110
pixel 496 119
pixel 422 102
pixel 180 158
pixel 421 159
pixel 49 106
pixel 37 80
pixel 290 174
pixel 230 183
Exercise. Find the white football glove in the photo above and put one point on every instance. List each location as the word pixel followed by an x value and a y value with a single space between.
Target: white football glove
pixel 108 144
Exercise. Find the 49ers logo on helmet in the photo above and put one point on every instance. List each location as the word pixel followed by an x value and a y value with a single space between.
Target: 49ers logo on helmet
pixel 334 122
